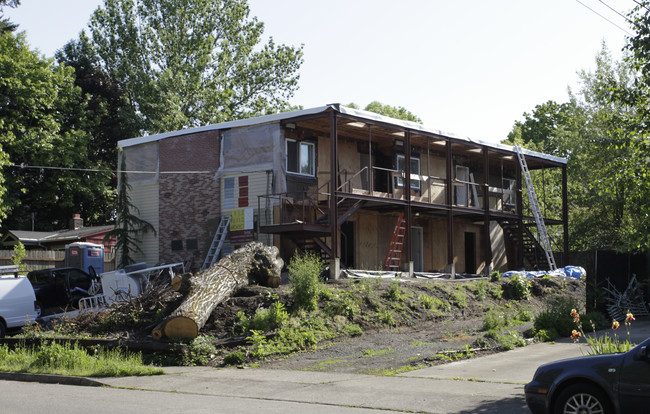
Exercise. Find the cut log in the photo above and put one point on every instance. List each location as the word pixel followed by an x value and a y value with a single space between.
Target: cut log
pixel 182 283
pixel 254 262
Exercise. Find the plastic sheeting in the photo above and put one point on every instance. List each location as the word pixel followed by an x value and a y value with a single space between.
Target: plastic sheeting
pixel 575 272
pixel 141 158
pixel 256 148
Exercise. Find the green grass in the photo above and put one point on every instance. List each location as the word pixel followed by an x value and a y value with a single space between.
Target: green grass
pixel 66 359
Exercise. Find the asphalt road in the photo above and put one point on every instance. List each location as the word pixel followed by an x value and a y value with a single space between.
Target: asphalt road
pixel 490 384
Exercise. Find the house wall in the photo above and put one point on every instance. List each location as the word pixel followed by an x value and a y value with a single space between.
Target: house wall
pixel 145 196
pixel 189 201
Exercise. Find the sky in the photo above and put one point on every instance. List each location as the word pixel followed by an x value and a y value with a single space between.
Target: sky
pixel 471 68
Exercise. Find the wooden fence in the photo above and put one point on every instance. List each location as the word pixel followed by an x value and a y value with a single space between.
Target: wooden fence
pixel 46 259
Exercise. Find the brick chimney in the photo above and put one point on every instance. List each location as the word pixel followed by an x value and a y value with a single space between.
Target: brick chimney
pixel 76 222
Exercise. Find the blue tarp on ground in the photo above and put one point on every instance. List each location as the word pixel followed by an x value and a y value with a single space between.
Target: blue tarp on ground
pixel 575 272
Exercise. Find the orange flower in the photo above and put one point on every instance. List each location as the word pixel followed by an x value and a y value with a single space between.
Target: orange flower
pixel 575 336
pixel 615 324
pixel 629 317
pixel 575 315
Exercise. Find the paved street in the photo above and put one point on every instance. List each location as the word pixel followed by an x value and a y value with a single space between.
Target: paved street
pixel 490 384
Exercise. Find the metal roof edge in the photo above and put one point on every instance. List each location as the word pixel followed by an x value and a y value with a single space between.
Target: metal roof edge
pixel 371 116
pixel 264 119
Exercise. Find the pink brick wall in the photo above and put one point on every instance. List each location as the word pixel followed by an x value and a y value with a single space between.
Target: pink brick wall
pixel 189 203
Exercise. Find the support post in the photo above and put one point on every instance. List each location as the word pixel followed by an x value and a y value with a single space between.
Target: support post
pixel 333 205
pixel 449 195
pixel 487 242
pixel 407 191
pixel 565 215
pixel 520 218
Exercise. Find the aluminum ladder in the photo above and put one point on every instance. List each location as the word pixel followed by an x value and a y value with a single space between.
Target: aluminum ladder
pixel 394 254
pixel 537 213
pixel 217 242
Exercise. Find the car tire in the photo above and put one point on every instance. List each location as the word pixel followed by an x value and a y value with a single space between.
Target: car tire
pixel 584 399
pixel 38 309
pixel 3 329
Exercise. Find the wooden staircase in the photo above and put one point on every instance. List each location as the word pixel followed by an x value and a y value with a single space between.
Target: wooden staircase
pixel 533 251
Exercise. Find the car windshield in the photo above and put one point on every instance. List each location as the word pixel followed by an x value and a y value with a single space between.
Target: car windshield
pixel 39 277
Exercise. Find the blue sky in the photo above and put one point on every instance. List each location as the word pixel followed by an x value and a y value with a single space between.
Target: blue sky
pixel 469 67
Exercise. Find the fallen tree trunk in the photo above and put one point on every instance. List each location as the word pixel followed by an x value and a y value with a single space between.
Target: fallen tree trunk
pixel 254 262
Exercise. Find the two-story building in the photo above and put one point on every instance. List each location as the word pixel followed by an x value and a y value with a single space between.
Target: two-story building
pixel 350 184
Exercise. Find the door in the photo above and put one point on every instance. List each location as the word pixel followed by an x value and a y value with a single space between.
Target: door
pixel 470 252
pixel 347 244
pixel 417 249
pixel 634 385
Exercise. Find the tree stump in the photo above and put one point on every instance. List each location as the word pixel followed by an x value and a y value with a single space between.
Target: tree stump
pixel 254 262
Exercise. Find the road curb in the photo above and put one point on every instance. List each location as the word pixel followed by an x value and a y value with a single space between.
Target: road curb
pixel 50 379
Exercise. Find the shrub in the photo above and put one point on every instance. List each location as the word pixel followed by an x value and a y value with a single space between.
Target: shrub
pixel 518 287
pixel 556 317
pixel 304 276
pixel 235 358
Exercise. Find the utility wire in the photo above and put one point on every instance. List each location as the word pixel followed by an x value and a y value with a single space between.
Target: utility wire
pixel 605 18
pixel 43 167
pixel 616 11
pixel 642 5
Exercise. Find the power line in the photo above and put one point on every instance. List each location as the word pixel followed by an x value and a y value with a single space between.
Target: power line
pixel 44 167
pixel 616 11
pixel 605 18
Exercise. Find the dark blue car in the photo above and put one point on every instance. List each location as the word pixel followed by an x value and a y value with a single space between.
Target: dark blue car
pixel 59 287
pixel 599 384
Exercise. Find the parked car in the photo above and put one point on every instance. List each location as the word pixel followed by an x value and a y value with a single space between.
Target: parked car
pixel 60 287
pixel 17 303
pixel 604 384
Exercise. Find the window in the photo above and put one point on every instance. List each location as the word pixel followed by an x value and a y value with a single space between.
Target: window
pixel 509 192
pixel 301 157
pixel 177 245
pixel 192 244
pixel 415 170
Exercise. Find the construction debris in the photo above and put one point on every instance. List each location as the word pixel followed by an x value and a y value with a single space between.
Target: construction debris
pixel 631 300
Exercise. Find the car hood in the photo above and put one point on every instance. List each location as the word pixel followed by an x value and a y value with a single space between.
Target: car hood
pixel 595 365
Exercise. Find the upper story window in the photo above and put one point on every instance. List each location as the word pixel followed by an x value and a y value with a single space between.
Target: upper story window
pixel 415 170
pixel 301 157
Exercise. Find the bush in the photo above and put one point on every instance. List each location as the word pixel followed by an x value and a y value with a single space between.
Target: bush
pixel 556 317
pixel 304 276
pixel 235 358
pixel 518 287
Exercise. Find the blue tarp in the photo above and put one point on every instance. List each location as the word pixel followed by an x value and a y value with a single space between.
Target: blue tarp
pixel 575 272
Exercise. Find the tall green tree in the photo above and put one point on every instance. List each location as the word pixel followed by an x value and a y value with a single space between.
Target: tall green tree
pixel 5 24
pixel 42 133
pixel 591 132
pixel 185 63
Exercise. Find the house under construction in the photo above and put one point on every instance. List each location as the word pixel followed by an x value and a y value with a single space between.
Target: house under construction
pixel 363 190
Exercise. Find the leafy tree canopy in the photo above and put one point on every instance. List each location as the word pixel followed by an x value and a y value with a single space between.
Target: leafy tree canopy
pixel 42 124
pixel 185 63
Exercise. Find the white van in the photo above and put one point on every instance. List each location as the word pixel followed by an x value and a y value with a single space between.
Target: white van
pixel 17 302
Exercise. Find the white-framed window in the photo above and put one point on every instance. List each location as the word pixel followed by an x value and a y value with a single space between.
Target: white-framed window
pixel 415 170
pixel 509 191
pixel 301 157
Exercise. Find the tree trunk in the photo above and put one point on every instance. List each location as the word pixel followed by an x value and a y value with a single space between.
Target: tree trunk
pixel 254 262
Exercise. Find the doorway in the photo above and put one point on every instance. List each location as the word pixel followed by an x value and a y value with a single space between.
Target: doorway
pixel 347 244
pixel 417 249
pixel 470 252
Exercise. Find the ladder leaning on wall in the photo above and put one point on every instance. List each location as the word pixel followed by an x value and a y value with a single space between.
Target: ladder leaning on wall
pixel 537 213
pixel 394 254
pixel 217 242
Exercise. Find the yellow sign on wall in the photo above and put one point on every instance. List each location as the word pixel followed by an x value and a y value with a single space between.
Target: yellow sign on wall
pixel 241 219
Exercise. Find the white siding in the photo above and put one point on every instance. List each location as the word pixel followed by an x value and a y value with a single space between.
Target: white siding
pixel 145 197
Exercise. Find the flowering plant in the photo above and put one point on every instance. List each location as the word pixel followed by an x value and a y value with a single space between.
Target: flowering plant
pixel 605 344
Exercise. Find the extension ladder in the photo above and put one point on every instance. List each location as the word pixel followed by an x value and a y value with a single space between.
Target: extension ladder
pixel 537 213
pixel 394 254
pixel 217 242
